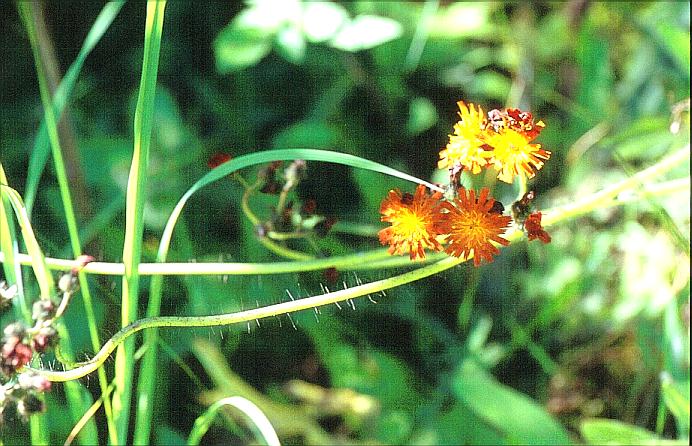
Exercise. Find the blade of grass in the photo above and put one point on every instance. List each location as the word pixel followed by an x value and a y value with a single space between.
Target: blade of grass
pixel 75 392
pixel 89 434
pixel 9 247
pixel 134 224
pixel 263 427
pixel 37 425
pixel 38 261
pixel 41 149
pixel 147 380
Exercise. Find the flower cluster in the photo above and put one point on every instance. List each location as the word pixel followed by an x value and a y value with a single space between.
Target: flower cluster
pixel 19 342
pixel 501 140
pixel 421 221
pixel 20 389
pixel 464 223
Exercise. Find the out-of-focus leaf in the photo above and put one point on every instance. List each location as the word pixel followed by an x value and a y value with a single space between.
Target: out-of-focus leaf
pixel 489 84
pixel 366 31
pixel 677 42
pixel 371 372
pixel 267 16
pixel 290 43
pixel 308 134
pixel 322 20
pixel 645 139
pixel 462 19
pixel 460 425
pixel 421 116
pixel 236 48
pixel 603 431
pixel 518 418
pixel 596 77
pixel 677 398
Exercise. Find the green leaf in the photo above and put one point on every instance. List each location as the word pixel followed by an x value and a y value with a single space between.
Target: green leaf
pixel 603 431
pixel 421 116
pixel 290 43
pixel 645 139
pixel 677 398
pixel 463 19
pixel 677 43
pixel 313 134
pixel 322 20
pixel 9 248
pixel 235 49
pixel 597 79
pixel 365 32
pixel 517 417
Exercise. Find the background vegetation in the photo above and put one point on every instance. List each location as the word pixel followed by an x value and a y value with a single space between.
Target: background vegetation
pixel 538 347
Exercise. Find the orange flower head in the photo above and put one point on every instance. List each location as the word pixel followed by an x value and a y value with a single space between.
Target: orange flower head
pixel 471 224
pixel 513 154
pixel 466 145
pixel 413 219
pixel 534 230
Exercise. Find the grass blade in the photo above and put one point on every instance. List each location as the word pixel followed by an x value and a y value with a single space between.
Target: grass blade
pixel 10 248
pixel 260 421
pixel 134 224
pixel 76 394
pixel 40 151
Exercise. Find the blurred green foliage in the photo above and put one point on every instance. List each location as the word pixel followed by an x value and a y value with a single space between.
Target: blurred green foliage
pixel 536 348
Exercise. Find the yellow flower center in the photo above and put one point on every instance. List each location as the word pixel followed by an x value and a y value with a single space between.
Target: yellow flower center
pixel 472 224
pixel 510 143
pixel 412 224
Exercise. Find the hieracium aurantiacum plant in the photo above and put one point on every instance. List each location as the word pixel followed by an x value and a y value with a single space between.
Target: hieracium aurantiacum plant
pixel 463 222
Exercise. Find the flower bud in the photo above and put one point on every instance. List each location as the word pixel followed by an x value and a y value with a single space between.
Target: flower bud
pixel 43 309
pixel 46 337
pixel 68 283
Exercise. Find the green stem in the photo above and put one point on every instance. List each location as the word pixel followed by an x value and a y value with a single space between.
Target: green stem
pixel 357 261
pixel 266 242
pixel 134 212
pixel 557 215
pixel 602 198
pixel 249 315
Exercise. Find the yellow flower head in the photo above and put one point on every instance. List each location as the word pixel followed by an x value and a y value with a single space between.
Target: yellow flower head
pixel 465 146
pixel 471 225
pixel 412 219
pixel 513 154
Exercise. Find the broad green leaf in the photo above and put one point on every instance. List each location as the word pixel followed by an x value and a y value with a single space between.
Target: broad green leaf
pixel 322 20
pixel 365 32
pixel 603 431
pixel 596 77
pixel 237 48
pixel 517 417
